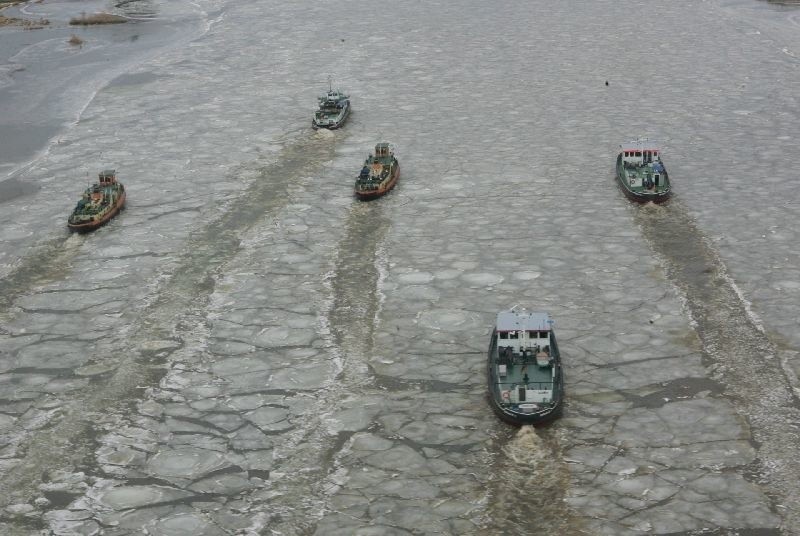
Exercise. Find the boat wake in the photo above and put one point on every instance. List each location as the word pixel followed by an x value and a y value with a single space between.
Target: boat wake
pixel 171 326
pixel 735 345
pixel 355 281
pixel 530 485
pixel 350 321
pixel 47 262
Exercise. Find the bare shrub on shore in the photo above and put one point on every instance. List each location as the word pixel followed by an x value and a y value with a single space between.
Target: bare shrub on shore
pixel 25 23
pixel 97 18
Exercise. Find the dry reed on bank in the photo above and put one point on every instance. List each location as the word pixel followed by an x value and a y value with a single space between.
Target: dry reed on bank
pixel 97 18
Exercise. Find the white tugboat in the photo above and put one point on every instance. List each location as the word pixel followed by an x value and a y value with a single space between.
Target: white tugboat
pixel 526 383
pixel 334 108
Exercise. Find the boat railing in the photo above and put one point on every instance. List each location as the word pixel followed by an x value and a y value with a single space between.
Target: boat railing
pixel 541 386
pixel 528 358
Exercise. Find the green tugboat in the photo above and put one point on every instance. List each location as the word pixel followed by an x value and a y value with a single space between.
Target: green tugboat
pixel 100 202
pixel 334 108
pixel 379 173
pixel 640 172
pixel 526 383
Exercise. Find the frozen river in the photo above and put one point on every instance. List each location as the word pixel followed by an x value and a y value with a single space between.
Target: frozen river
pixel 248 350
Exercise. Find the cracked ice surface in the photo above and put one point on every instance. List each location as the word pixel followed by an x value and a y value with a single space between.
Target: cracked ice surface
pixel 247 349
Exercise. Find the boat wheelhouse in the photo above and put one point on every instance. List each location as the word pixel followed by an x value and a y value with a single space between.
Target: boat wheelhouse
pixel 99 203
pixel 526 384
pixel 379 173
pixel 334 107
pixel 641 173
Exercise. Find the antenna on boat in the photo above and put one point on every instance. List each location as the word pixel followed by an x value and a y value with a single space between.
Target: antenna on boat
pixel 330 83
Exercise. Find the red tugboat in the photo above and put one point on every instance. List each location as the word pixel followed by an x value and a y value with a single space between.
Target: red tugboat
pixel 100 202
pixel 379 174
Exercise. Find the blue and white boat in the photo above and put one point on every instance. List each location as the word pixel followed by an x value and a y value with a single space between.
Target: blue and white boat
pixel 334 108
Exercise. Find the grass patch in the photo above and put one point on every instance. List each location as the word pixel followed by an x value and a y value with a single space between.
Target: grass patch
pixel 97 18
pixel 75 40
pixel 26 24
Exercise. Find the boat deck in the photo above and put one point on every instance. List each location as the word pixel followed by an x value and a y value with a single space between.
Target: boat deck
pixel 635 178
pixel 642 173
pixel 532 373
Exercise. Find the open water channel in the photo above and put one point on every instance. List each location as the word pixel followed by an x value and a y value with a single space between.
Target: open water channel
pixel 248 350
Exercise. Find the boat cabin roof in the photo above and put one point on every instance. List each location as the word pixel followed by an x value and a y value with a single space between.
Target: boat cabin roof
pixel 639 145
pixel 523 321
pixel 108 174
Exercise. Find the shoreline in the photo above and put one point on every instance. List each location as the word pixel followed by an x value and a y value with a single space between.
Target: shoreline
pixel 46 83
pixel 27 24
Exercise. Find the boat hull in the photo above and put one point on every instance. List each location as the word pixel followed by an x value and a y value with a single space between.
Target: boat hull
pixel 383 189
pixel 655 196
pixel 522 419
pixel 92 225
pixel 506 412
pixel 336 124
